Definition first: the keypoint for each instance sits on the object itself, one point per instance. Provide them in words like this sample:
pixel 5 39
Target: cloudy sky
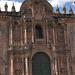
pixel 54 3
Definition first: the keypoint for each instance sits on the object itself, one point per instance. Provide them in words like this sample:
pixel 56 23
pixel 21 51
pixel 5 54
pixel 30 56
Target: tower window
pixel 39 32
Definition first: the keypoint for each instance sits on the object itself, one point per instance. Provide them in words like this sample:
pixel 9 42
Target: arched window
pixel 38 32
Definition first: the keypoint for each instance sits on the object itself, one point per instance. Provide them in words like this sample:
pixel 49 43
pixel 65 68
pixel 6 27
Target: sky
pixel 54 3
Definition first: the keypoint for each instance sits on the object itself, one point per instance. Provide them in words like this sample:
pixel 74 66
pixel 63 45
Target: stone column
pixel 25 34
pixel 54 50
pixel 10 36
pixel 32 11
pixel 21 38
pixel 11 65
pixel 32 25
pixel 69 66
pixel 32 32
pixel 54 38
pixel 25 31
pixel 26 65
pixel 23 69
pixel 47 32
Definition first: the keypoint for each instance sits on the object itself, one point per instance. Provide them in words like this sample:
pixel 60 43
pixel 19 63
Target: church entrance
pixel 41 64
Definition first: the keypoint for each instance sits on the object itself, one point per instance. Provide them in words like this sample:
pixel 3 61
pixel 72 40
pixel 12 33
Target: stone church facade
pixel 37 41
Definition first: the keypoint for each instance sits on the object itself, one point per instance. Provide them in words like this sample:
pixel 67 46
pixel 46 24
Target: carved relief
pixel 60 34
pixel 29 28
pixel 16 35
pixel 16 32
pixel 60 38
pixel 73 59
pixel 18 65
pixel 62 63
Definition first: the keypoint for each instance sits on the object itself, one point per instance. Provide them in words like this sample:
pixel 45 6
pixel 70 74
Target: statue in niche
pixel 38 12
pixel 38 9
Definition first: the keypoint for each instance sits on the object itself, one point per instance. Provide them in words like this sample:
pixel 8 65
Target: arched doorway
pixel 41 64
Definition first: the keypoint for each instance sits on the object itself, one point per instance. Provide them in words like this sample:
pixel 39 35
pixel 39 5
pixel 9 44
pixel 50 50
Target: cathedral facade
pixel 37 41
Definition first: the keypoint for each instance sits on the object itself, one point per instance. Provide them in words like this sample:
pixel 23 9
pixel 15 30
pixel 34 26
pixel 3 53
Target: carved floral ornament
pixel 51 24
